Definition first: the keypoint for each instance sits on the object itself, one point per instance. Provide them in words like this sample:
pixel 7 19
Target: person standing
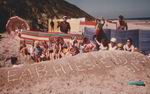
pixel 99 29
pixel 65 26
pixel 122 25
pixel 52 25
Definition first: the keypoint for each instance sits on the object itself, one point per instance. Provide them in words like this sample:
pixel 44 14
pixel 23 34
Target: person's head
pixel 120 46
pixel 61 40
pixel 121 18
pixel 65 18
pixel 36 43
pixel 22 42
pixel 76 44
pixel 65 50
pixel 85 40
pixel 113 41
pixel 98 20
pixel 52 18
pixel 104 42
pixel 129 42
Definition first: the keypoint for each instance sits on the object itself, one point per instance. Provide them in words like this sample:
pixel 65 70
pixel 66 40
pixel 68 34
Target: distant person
pixel 122 25
pixel 37 51
pixel 31 50
pixel 23 48
pixel 99 29
pixel 52 25
pixel 64 26
pixel 129 45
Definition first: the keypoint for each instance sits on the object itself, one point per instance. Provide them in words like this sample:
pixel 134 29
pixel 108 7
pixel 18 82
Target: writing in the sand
pixel 67 67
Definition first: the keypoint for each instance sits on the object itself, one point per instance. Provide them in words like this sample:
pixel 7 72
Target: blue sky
pixel 113 8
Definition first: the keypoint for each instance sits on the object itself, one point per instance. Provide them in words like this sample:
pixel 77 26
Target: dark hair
pixel 94 37
pixel 121 17
pixel 130 40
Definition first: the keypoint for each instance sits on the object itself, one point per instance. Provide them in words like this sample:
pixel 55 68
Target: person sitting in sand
pixel 45 50
pixel 57 49
pixel 122 25
pixel 129 45
pixel 74 51
pixel 112 45
pixel 37 51
pixel 120 46
pixel 51 48
pixel 66 50
pixel 31 51
pixel 23 48
pixel 87 45
pixel 103 45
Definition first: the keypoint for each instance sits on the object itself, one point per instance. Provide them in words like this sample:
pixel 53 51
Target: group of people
pixel 55 48
pixel 58 47
pixel 64 25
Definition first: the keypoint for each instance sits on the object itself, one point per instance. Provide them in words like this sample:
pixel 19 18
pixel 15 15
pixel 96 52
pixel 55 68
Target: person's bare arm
pixel 69 28
pixel 103 21
pixel 97 42
pixel 126 26
pixel 60 48
pixel 109 21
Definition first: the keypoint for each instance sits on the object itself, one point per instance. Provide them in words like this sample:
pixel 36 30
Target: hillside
pixel 33 9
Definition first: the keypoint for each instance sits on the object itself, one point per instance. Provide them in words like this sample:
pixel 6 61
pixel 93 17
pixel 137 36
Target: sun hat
pixel 113 40
pixel 64 17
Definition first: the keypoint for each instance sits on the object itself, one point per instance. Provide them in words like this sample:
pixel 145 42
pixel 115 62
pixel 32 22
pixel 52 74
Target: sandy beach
pixel 104 72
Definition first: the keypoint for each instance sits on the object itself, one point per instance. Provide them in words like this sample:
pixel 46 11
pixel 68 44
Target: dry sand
pixel 102 72
pixel 132 24
pixel 9 47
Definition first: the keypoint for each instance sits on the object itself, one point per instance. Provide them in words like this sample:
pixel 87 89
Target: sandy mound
pixel 101 72
pixel 9 47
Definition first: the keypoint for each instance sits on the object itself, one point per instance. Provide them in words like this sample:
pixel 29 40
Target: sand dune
pixel 101 72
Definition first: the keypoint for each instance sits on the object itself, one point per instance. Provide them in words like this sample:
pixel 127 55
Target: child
pixel 112 45
pixel 37 52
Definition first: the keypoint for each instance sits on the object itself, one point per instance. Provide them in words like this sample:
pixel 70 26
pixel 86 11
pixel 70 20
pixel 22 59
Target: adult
pixel 65 26
pixel 122 25
pixel 129 45
pixel 99 29
pixel 52 25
